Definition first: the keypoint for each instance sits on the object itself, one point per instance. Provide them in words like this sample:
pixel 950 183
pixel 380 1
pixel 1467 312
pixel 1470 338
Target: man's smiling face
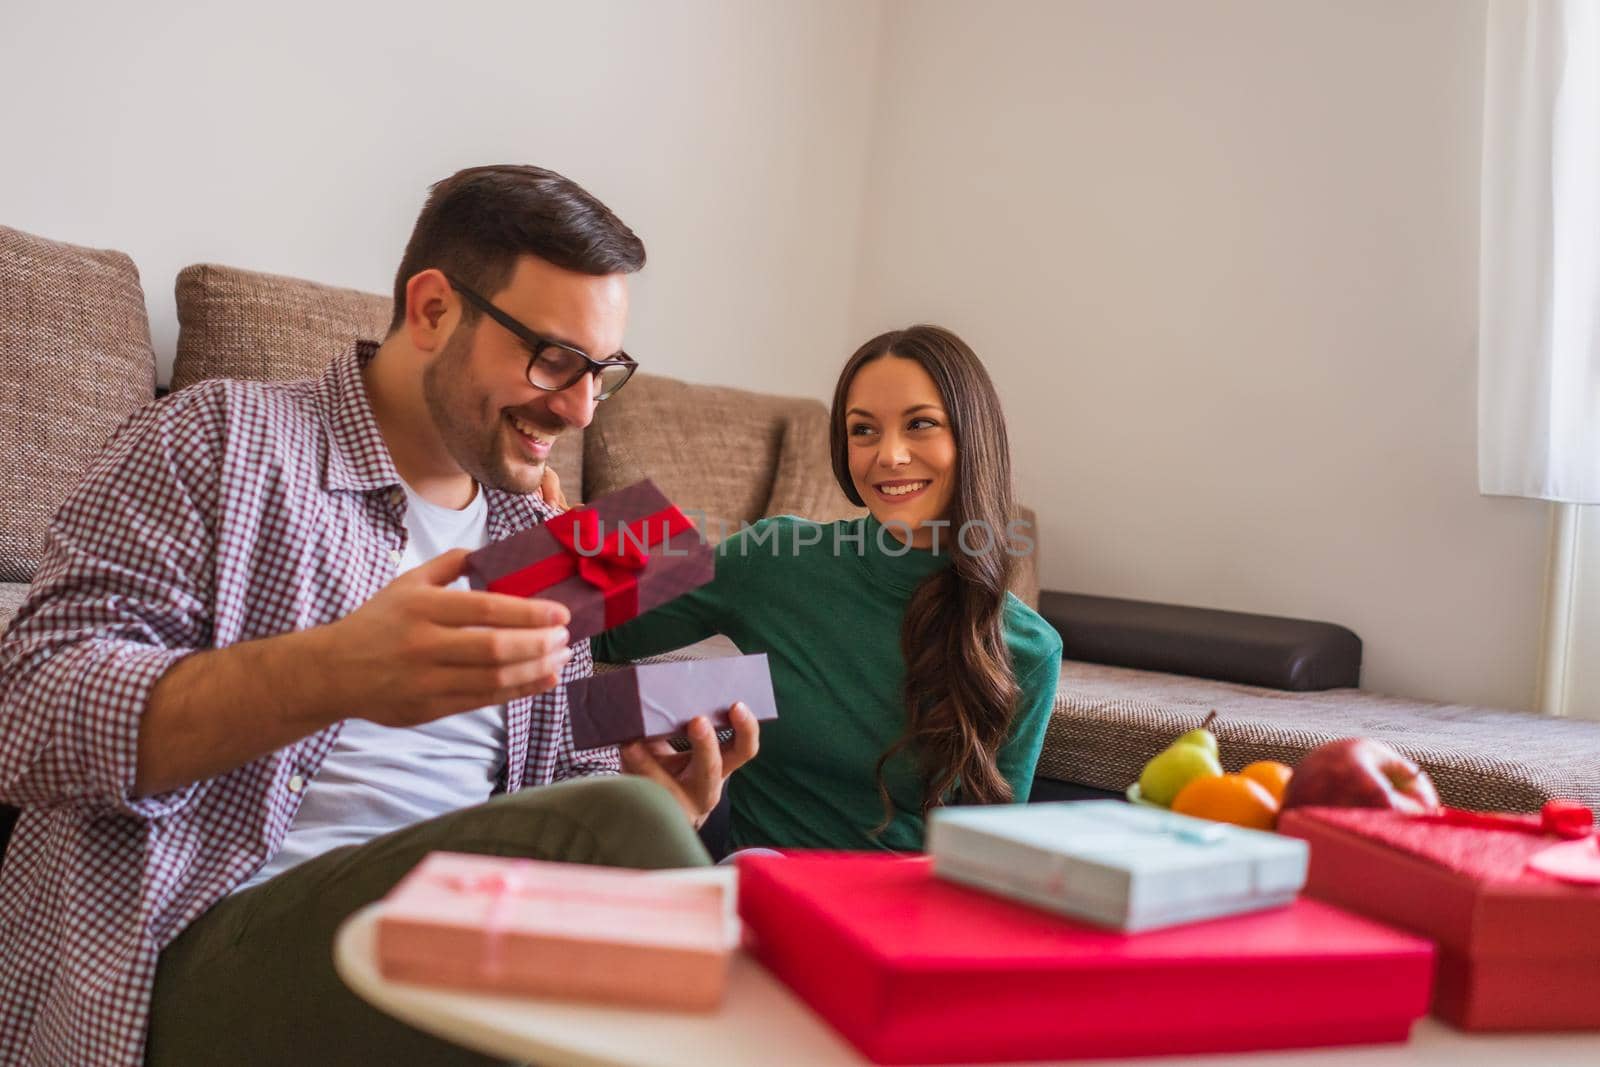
pixel 497 427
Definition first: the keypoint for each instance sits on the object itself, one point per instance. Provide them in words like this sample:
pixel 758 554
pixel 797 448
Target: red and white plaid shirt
pixel 226 512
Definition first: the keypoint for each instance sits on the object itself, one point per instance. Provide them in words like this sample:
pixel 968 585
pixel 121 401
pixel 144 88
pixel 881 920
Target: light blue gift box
pixel 1116 864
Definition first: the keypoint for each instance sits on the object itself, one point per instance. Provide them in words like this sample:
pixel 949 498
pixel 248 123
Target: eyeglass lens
pixel 556 368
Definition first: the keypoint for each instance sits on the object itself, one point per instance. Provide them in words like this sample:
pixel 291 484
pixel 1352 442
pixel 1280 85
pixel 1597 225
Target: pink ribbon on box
pixel 501 887
pixel 611 564
pixel 505 886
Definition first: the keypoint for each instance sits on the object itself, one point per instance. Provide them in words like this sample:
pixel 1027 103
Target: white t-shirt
pixel 381 778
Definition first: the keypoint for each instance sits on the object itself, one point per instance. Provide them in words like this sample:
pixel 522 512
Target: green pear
pixel 1193 755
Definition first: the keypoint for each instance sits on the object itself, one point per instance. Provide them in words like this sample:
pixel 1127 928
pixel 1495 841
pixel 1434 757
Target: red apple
pixel 1358 772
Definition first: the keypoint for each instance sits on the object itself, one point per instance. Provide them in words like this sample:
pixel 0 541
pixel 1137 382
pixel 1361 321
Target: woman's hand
pixel 550 489
pixel 695 778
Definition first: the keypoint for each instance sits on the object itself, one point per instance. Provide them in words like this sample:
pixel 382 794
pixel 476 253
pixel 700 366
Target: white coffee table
pixel 762 1024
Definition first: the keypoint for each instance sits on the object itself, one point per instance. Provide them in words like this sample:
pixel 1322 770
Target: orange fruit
pixel 1230 798
pixel 1272 774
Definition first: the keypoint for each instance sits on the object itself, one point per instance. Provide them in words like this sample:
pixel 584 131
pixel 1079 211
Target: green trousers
pixel 252 980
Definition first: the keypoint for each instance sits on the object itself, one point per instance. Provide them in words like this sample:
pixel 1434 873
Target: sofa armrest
pixel 1226 646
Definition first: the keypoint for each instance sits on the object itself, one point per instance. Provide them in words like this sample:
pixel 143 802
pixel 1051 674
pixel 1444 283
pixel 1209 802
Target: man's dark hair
pixel 478 221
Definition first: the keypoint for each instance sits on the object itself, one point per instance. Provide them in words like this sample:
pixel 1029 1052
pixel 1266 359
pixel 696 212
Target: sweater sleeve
pixel 1019 756
pixel 714 608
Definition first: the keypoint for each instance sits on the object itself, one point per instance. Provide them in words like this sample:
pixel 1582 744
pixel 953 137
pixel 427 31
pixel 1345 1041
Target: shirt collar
pixel 358 457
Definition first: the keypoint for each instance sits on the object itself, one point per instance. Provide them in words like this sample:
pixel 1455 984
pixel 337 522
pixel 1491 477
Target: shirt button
pixel 394 555
pixel 296 783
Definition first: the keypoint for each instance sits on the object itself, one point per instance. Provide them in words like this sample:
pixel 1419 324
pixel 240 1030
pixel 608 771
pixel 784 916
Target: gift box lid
pixel 1117 864
pixel 1469 888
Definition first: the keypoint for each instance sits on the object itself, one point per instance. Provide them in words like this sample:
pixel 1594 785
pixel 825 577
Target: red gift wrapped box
pixel 609 561
pixel 912 969
pixel 1518 950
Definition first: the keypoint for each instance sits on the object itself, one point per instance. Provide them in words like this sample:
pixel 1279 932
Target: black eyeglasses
pixel 553 366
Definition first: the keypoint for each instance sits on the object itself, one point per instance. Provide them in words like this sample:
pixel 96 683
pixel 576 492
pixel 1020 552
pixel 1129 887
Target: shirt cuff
pixel 111 699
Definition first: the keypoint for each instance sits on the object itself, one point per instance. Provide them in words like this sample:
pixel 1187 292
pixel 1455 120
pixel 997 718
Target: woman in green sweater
pixel 906 676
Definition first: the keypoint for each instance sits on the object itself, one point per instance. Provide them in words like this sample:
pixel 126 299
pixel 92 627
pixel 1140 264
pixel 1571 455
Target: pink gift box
pixel 564 930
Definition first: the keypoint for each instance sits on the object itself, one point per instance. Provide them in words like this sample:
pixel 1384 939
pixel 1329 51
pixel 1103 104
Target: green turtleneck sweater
pixel 829 621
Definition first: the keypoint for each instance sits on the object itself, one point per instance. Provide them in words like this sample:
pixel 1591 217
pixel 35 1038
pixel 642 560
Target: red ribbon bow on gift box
pixel 1576 860
pixel 609 563
pixel 1561 818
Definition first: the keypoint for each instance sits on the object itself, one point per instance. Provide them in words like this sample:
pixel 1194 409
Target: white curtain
pixel 1539 271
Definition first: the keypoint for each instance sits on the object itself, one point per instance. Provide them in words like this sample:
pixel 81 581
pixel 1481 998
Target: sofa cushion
pixel 75 361
pixel 12 594
pixel 235 323
pixel 1108 721
pixel 1025 579
pixel 733 455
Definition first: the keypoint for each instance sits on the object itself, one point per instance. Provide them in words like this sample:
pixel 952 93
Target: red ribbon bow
pixel 611 564
pixel 1562 818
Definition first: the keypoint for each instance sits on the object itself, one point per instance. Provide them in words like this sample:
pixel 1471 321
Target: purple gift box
pixel 618 557
pixel 658 699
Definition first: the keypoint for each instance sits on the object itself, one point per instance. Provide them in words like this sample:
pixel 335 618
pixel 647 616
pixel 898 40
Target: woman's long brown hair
pixel 961 691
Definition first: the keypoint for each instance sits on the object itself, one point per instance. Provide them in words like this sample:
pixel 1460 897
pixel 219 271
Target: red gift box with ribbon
pixel 911 968
pixel 561 930
pixel 1504 896
pixel 607 561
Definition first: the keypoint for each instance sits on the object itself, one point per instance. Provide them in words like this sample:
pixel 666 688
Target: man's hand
pixel 695 777
pixel 418 651
pixel 550 489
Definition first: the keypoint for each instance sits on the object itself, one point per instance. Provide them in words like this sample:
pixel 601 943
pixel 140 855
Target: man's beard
pixel 472 433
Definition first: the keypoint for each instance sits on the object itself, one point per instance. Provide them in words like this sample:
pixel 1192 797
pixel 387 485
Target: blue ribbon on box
pixel 1194 831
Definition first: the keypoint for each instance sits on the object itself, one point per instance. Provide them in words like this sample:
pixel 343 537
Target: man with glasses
pixel 248 690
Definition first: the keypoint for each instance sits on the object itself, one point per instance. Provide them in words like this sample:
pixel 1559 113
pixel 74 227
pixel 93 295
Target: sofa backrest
pixel 731 455
pixel 236 323
pixel 75 361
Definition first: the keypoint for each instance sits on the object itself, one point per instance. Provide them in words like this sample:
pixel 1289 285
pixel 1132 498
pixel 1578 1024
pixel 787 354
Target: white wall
pixel 1221 257
pixel 1220 254
pixel 1575 632
pixel 300 137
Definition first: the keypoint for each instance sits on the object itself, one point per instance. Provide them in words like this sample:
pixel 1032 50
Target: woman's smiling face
pixel 902 450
